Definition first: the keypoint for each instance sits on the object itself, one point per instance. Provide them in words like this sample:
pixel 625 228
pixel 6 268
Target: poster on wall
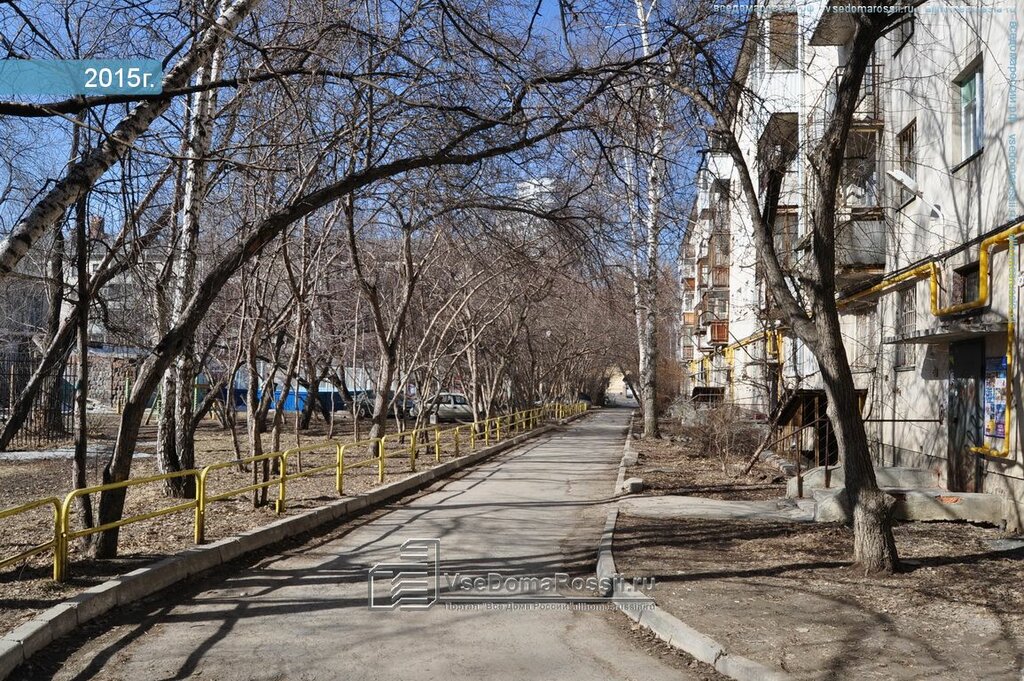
pixel 995 397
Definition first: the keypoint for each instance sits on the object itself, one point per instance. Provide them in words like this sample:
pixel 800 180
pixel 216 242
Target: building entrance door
pixel 966 419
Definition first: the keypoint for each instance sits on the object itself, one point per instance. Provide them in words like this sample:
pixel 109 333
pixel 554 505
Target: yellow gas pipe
pixel 1007 236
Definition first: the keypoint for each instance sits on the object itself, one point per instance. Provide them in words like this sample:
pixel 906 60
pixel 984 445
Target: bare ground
pixel 27 588
pixel 784 593
pixel 676 464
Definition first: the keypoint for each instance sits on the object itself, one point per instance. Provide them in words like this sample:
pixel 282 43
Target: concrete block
pixel 377 496
pixel 11 655
pixel 747 670
pixel 63 618
pixel 887 476
pixel 305 522
pixel 199 559
pixel 97 600
pixel 1013 512
pixel 354 504
pixel 633 485
pixel 139 583
pixel 679 635
pixel 33 635
pixel 920 505
pixel 831 506
pixel 632 603
pixel 229 548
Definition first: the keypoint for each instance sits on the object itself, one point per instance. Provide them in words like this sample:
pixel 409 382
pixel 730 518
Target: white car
pixel 448 407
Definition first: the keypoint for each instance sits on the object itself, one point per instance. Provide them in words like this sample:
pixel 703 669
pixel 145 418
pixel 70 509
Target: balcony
pixel 860 246
pixel 720 333
pixel 867 112
pixel 712 307
pixel 720 277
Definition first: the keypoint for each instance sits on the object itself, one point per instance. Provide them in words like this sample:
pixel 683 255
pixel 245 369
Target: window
pixel 720 332
pixel 720 248
pixel 782 41
pixel 906 145
pixel 903 32
pixel 864 349
pixel 785 237
pixel 971 113
pixel 906 324
pixel 966 283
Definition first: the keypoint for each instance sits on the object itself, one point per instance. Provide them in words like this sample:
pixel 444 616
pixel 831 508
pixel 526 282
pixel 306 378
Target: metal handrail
pixel 496 426
pixel 35 550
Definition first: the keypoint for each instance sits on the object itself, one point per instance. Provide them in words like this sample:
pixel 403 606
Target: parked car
pixel 364 402
pixel 448 407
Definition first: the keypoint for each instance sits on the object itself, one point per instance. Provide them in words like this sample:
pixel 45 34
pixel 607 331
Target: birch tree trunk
pixel 183 373
pixel 81 176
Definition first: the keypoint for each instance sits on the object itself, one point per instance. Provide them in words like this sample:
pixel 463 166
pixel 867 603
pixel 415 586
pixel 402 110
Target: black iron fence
pixel 50 417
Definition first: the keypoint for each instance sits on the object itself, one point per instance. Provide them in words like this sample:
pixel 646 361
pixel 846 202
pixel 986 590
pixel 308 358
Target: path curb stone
pixel 24 641
pixel 661 623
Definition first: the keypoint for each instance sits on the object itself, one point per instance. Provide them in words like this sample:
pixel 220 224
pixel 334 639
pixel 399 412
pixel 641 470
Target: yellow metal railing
pixel 409 443
pixel 54 538
pixel 66 534
pixel 203 499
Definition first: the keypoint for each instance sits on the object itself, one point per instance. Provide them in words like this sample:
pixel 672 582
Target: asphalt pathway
pixel 536 511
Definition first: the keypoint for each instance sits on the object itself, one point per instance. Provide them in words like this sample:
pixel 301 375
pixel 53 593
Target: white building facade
pixel 928 238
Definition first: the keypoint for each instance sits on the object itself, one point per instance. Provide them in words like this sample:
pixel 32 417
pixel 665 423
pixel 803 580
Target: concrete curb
pixel 662 624
pixel 29 638
pixel 628 456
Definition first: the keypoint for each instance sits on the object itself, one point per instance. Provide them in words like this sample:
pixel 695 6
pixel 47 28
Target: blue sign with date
pixel 63 77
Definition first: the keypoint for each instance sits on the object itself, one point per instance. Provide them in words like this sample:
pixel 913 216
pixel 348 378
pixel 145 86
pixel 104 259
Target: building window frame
pixel 906 160
pixel 969 111
pixel 966 283
pixel 785 58
pixel 905 324
pixel 903 32
pixel 785 235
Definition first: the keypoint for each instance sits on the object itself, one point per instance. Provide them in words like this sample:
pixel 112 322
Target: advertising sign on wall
pixel 995 397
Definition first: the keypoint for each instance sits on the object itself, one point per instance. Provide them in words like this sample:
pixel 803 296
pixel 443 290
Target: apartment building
pixel 927 240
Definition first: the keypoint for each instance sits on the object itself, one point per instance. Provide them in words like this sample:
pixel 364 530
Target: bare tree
pixel 807 302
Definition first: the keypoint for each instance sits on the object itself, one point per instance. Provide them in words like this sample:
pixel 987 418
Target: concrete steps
pixel 917 504
pixel 894 477
pixel 918 497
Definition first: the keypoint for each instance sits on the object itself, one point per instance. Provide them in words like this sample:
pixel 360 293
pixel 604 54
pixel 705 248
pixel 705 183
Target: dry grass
pixel 680 463
pixel 26 588
pixel 784 593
